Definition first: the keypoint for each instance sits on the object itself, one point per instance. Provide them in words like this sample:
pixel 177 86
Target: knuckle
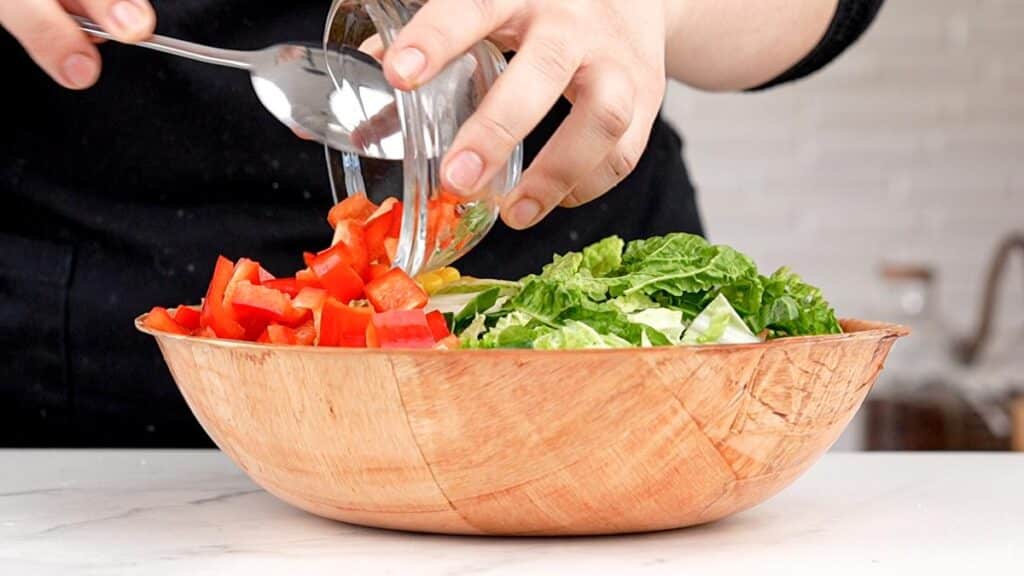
pixel 623 160
pixel 496 131
pixel 612 116
pixel 554 59
pixel 576 197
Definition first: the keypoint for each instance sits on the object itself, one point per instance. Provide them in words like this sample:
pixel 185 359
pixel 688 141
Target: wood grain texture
pixel 528 442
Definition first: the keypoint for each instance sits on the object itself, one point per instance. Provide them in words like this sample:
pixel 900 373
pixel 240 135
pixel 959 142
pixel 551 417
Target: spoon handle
pixel 230 58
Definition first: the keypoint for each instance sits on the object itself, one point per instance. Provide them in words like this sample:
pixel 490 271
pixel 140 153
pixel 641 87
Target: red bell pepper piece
pixel 395 290
pixel 310 298
pixel 438 325
pixel 399 329
pixel 159 319
pixel 246 270
pixel 262 304
pixel 396 221
pixel 289 286
pixel 217 314
pixel 358 208
pixel 343 325
pixel 390 249
pixel 187 317
pixel 378 270
pixel 278 334
pixel 338 278
pixel 265 276
pixel 384 209
pixel 305 335
pixel 306 278
pixel 350 247
pixel 379 226
pixel 441 223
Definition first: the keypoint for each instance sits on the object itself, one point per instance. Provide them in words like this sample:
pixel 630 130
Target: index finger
pixel 440 32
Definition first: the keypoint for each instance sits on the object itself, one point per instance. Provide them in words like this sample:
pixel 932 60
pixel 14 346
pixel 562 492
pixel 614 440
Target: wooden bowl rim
pixel 862 330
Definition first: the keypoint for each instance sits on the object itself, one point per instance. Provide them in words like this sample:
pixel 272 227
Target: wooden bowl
pixel 523 441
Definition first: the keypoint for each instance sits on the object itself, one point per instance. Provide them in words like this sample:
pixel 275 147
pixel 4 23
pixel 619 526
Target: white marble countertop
pixel 181 512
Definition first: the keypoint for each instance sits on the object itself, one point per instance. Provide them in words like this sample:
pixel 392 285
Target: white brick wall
pixel 909 147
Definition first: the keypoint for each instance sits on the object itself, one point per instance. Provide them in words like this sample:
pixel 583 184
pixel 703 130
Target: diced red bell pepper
pixel 396 221
pixel 289 286
pixel 307 258
pixel 358 208
pixel 216 314
pixel 187 317
pixel 438 325
pixel 338 278
pixel 384 209
pixel 306 278
pixel 265 276
pixel 351 248
pixel 378 270
pixel 305 335
pixel 246 270
pixel 449 197
pixel 380 226
pixel 395 290
pixel 259 303
pixel 310 298
pixel 264 337
pixel 441 222
pixel 399 329
pixel 159 319
pixel 278 334
pixel 343 325
pixel 391 249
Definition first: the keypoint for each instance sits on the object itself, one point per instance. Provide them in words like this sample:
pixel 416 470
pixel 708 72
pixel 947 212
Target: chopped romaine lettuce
pixel 719 324
pixel 668 290
pixel 578 335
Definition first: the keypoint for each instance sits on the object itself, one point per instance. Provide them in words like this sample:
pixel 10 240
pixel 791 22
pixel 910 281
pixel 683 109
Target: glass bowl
pixel 417 126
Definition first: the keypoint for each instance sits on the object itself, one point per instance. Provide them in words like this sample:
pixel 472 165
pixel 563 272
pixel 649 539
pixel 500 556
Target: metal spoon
pixel 293 82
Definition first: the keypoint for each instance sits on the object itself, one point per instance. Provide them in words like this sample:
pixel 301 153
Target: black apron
pixel 120 198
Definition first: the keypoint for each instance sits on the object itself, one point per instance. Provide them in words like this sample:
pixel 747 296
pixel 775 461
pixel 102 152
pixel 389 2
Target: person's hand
pixel 606 56
pixel 54 41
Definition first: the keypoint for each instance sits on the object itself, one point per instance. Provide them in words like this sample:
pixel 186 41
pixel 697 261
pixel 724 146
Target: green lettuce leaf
pixel 604 257
pixel 791 307
pixel 678 264
pixel 719 324
pixel 665 321
pixel 515 330
pixel 576 335
pixel 480 304
pixel 470 336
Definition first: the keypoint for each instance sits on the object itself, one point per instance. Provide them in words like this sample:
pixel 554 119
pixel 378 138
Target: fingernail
pixel 80 71
pixel 128 16
pixel 464 170
pixel 524 212
pixel 409 63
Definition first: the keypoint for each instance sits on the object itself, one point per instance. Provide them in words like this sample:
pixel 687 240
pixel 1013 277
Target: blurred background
pixel 891 179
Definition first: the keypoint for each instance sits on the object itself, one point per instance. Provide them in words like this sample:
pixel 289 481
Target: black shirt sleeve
pixel 851 19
